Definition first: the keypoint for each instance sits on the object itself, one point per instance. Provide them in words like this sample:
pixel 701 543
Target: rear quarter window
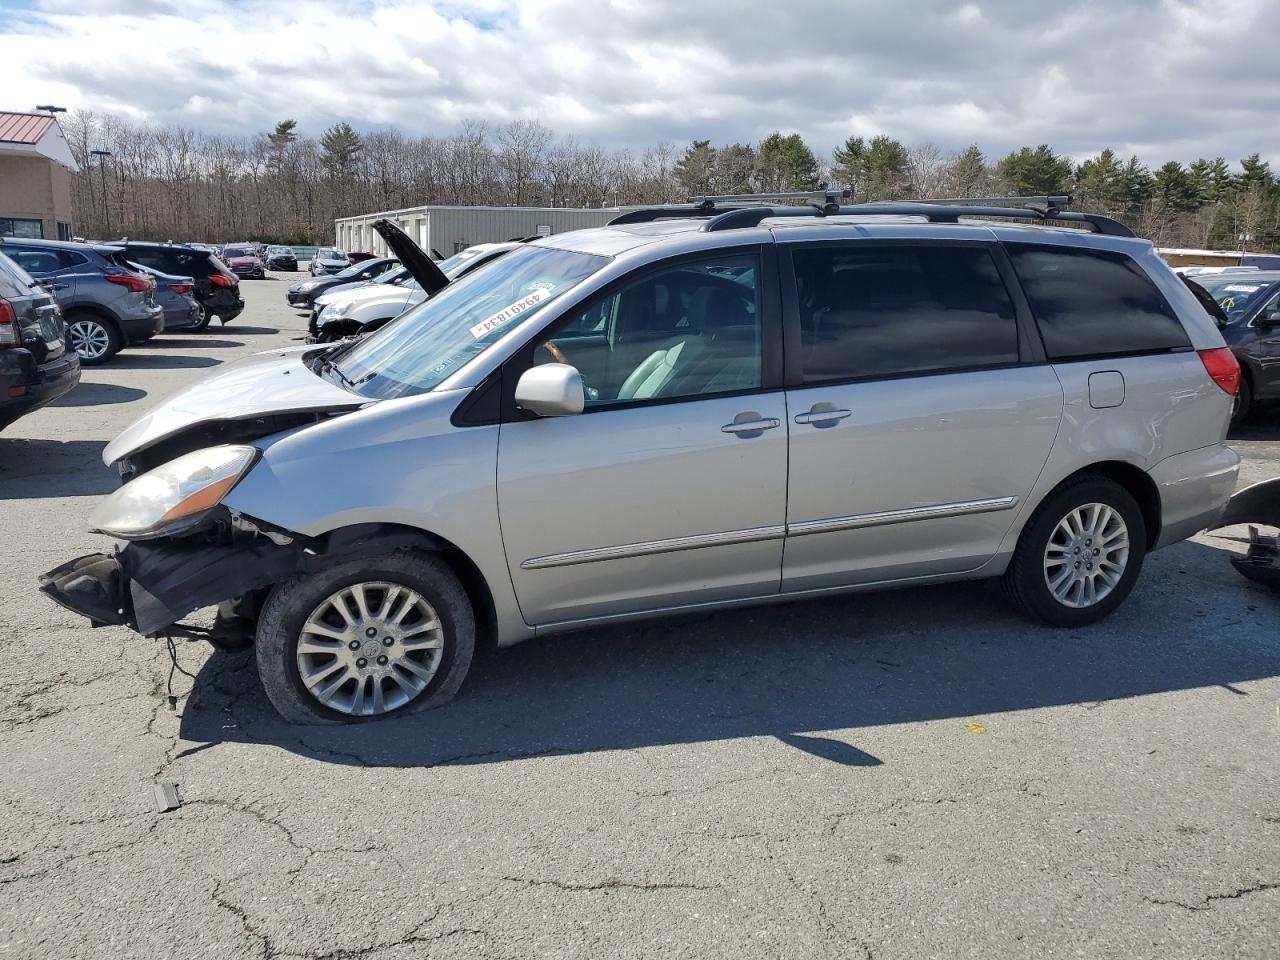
pixel 1094 303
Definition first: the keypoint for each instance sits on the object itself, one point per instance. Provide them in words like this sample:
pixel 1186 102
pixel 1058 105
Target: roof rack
pixel 747 210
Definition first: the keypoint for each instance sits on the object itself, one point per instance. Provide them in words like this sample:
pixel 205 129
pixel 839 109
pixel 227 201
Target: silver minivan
pixel 691 408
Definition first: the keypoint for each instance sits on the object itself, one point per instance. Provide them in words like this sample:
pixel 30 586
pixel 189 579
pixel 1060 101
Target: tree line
pixel 175 183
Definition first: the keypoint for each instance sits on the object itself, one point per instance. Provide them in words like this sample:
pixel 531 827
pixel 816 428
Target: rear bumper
pixel 143 325
pixel 225 304
pixel 26 386
pixel 1194 488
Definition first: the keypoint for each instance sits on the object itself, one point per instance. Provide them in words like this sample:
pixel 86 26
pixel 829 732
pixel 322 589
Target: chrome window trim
pixel 771 532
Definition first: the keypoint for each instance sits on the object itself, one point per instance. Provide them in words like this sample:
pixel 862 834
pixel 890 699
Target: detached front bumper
pixel 150 585
pixel 1257 504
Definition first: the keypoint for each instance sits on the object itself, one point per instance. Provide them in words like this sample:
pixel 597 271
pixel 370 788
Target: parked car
pixel 304 292
pixel 603 425
pixel 346 312
pixel 328 260
pixel 244 261
pixel 176 296
pixel 359 256
pixel 281 258
pixel 37 364
pixel 1251 303
pixel 217 291
pixel 107 304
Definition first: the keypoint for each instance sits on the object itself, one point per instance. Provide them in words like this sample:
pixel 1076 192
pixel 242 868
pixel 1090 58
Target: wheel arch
pixel 1139 485
pixel 372 539
pixel 94 310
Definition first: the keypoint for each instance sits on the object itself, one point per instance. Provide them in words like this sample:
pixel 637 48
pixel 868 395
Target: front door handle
pixel 823 414
pixel 755 424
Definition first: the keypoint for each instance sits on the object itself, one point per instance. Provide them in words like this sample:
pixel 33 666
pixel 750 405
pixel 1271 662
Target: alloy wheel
pixel 1087 554
pixel 90 339
pixel 370 648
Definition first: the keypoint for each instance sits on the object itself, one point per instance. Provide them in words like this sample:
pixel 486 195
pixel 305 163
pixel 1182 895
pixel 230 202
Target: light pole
pixel 102 169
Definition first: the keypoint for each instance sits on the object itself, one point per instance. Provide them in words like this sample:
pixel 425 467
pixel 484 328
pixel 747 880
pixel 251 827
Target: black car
pixel 281 258
pixel 303 293
pixel 36 364
pixel 1251 303
pixel 217 290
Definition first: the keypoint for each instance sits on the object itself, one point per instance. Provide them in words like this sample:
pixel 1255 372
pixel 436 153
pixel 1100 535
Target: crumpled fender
pixel 1257 505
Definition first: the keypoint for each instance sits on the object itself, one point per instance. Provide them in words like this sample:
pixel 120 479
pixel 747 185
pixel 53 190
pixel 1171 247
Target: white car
pixel 350 310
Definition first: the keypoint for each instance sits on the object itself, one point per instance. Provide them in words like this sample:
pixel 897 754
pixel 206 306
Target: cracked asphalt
pixel 909 774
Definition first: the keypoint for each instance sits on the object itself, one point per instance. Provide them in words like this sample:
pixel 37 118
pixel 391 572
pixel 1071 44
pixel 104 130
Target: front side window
pixel 900 310
pixel 35 260
pixel 1094 303
pixel 683 331
pixel 427 343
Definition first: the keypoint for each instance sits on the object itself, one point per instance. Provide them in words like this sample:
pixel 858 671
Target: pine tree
pixel 695 171
pixel 970 172
pixel 1038 172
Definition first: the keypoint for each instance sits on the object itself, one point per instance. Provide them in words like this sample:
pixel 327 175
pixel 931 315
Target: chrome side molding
pixel 772 532
pixel 649 547
pixel 909 515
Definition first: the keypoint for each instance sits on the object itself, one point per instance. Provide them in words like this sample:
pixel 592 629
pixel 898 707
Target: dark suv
pixel 35 364
pixel 217 290
pixel 106 302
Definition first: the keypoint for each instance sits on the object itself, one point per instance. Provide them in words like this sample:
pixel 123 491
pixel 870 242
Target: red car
pixel 243 260
pixel 357 256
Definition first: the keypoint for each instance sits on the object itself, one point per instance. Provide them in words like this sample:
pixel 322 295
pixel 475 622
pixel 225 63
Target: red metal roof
pixel 23 127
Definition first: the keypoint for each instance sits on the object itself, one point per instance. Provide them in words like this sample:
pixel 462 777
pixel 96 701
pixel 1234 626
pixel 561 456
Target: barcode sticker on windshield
pixel 509 312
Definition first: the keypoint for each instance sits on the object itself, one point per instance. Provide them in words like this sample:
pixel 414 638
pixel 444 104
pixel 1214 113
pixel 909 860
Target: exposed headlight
pixel 174 496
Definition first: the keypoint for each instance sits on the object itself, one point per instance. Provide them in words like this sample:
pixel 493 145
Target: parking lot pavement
pixel 909 774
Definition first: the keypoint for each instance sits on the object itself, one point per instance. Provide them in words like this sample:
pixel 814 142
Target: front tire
pixel 365 639
pixel 1079 555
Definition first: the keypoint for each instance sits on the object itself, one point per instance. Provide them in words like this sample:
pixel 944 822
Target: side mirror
pixel 1269 321
pixel 551 390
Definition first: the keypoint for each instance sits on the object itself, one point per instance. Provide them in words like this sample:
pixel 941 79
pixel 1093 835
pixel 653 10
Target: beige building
pixel 35 177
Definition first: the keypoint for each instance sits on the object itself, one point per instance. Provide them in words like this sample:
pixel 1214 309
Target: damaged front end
pixel 1257 505
pixel 149 585
pixel 231 561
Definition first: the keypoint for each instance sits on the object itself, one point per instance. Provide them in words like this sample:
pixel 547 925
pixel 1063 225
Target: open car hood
pixel 261 385
pixel 420 266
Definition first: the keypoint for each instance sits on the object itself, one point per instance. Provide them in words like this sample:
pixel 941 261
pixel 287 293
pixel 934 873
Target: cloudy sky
pixel 1160 78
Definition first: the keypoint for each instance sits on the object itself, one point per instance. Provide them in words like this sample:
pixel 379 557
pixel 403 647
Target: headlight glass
pixel 337 308
pixel 174 496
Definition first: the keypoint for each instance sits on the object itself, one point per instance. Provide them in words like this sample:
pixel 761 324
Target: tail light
pixel 10 332
pixel 183 288
pixel 221 280
pixel 131 283
pixel 1223 369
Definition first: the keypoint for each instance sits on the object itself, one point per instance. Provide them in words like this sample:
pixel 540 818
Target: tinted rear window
pixel 882 311
pixel 1094 303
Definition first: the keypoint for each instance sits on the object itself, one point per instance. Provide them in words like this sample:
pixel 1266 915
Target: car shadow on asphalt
pixel 789 671
pixel 36 469
pixel 191 343
pixel 236 328
pixel 1263 425
pixel 132 360
pixel 98 395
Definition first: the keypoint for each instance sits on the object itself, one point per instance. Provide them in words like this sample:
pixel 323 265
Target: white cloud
pixel 1169 78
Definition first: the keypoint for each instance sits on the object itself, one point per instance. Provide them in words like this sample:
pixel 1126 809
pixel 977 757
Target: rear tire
pixel 203 321
pixel 1079 555
pixel 308 601
pixel 95 340
pixel 1243 404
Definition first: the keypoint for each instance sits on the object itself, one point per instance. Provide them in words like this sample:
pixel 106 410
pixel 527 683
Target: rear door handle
pixel 754 425
pixel 819 417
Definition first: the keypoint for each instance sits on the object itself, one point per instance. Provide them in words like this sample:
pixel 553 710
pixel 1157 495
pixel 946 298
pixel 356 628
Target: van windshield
pixel 427 343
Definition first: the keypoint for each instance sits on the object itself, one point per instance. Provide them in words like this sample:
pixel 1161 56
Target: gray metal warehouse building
pixel 447 229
